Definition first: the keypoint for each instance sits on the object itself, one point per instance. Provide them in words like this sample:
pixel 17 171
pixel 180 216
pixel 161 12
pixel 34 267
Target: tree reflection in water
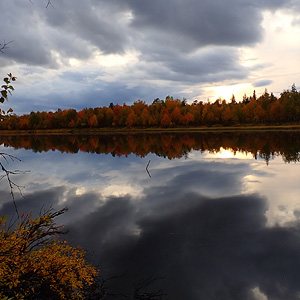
pixel 265 145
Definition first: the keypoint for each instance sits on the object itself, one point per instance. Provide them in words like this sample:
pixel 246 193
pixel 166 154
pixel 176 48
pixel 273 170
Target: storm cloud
pixel 76 29
pixel 175 47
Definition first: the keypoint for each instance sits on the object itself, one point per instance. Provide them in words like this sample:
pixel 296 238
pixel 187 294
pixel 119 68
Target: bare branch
pixel 8 173
pixel 147 168
pixel 46 228
pixel 142 290
pixel 4 46
pixel 49 4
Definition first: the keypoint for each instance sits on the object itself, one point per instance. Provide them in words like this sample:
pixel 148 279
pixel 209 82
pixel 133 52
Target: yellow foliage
pixel 34 262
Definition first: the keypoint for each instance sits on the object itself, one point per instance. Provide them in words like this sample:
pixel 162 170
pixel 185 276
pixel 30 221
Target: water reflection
pixel 265 145
pixel 212 227
pixel 204 248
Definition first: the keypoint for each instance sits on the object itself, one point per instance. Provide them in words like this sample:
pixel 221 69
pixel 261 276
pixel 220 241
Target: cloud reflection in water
pixel 191 223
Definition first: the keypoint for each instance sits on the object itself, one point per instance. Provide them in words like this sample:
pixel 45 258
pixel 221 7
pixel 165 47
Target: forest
pixel 253 110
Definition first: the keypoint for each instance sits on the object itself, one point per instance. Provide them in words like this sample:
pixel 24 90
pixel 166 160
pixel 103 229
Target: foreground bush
pixel 34 264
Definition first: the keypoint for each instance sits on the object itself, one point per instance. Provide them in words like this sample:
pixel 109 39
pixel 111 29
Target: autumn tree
pixel 93 122
pixel 187 119
pixel 131 119
pixel 166 119
pixel 34 264
pixel 276 115
pixel 208 116
pixel 145 117
pixel 227 115
pixel 176 115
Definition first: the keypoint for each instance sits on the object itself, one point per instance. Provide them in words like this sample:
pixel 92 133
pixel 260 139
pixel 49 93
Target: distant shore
pixel 109 130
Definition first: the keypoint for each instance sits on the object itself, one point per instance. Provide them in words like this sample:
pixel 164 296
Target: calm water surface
pixel 209 224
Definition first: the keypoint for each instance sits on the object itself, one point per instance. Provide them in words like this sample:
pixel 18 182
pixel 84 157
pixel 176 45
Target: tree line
pixel 266 109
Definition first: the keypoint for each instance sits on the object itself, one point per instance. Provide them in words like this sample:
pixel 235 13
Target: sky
pixel 78 54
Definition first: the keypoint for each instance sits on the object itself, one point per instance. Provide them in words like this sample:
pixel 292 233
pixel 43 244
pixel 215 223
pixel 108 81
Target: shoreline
pixel 108 130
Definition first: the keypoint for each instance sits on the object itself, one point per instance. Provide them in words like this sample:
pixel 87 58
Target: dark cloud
pixel 23 26
pixel 98 94
pixel 262 83
pixel 76 29
pixel 271 4
pixel 200 23
pixel 99 25
pixel 204 66
pixel 38 35
pixel 187 42
pixel 206 62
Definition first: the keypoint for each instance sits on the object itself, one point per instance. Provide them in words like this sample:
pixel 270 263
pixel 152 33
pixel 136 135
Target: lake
pixel 184 216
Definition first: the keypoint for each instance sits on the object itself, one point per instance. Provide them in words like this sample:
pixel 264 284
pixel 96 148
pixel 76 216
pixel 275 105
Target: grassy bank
pixel 108 130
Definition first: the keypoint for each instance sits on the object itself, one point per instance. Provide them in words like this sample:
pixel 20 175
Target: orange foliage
pixel 93 122
pixel 266 109
pixel 34 263
pixel 131 119
pixel 166 120
pixel 145 117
